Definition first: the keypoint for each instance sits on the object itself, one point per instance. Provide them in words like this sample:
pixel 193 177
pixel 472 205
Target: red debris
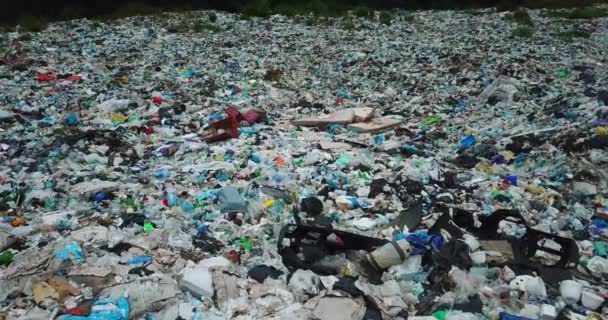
pixel 46 77
pixel 157 100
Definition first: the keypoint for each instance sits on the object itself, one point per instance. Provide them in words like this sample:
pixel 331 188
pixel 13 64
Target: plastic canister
pixel 390 254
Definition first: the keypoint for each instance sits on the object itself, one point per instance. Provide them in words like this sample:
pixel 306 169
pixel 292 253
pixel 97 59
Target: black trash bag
pixel 207 243
pixel 348 285
pixel 445 223
pixel 312 206
pixel 474 305
pixel 261 272
pixel 141 271
pixel 526 248
pixel 411 217
pixel 377 187
pixel 453 253
pixel 523 249
pixel 302 246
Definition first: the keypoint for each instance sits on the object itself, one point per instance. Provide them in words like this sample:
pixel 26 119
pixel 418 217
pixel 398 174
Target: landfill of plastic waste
pixel 290 168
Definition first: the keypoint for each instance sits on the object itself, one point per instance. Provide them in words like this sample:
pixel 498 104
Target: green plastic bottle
pixel 6 258
pixel 148 227
pixel 245 243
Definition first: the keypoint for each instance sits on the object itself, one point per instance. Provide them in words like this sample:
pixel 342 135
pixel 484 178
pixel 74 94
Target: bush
pixel 133 9
pixel 571 35
pixel 200 26
pixel 319 8
pixel 32 24
pixel 289 10
pixel 310 21
pixel 523 31
pixel 409 18
pixel 70 13
pixel 273 75
pixel 474 12
pixel 505 5
pixel 522 17
pixel 580 13
pixel 386 18
pixel 258 8
pixel 181 27
pixel 557 4
pixel 361 11
pixel 348 25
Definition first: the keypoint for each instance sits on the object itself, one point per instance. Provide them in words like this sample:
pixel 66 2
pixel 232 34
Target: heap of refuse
pixel 293 168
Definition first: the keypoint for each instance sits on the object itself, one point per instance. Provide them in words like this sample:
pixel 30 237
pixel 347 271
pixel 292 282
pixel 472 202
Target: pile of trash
pixel 287 168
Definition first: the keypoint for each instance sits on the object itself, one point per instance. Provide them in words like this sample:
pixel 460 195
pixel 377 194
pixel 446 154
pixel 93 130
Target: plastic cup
pixel 570 291
pixel 591 300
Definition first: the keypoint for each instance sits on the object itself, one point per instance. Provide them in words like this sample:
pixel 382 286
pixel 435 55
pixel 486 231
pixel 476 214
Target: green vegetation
pixel 558 4
pixel 579 13
pixel 349 24
pixel 200 26
pixel 386 18
pixel 522 17
pixel 310 21
pixel 474 12
pixel 185 26
pixel 70 13
pixel 132 9
pixel 32 24
pixel 571 35
pixel 182 27
pixel 25 37
pixel 303 8
pixel 409 18
pixel 523 31
pixel 273 75
pixel 361 11
pixel 289 10
pixel 570 9
pixel 258 8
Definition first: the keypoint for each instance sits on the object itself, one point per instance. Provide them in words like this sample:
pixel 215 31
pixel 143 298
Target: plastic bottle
pixel 6 258
pixel 148 227
pixel 245 243
pixel 171 199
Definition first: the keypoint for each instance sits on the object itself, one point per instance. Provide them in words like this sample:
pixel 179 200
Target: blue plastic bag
pixel 140 259
pixel 467 141
pixel 71 250
pixel 106 309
